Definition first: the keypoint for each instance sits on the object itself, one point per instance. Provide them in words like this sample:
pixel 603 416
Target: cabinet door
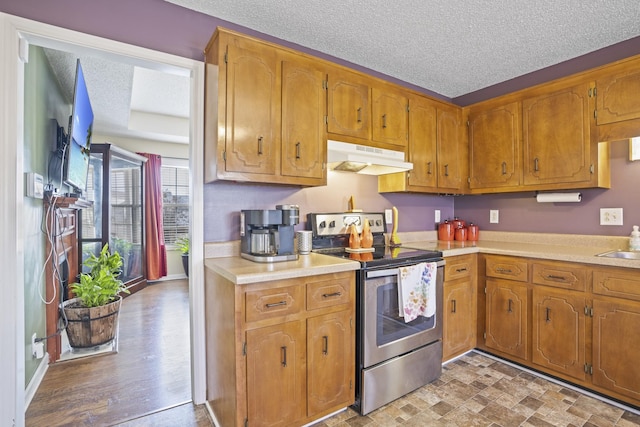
pixel 276 374
pixel 616 346
pixel 422 143
pixel 559 332
pixel 556 133
pixel 304 151
pixel 389 119
pixel 252 111
pixel 617 97
pixel 348 105
pixel 459 318
pixel 452 156
pixel 494 144
pixel 330 362
pixel 506 317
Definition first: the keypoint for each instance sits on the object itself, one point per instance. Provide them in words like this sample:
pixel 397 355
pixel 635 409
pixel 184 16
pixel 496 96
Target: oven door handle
pixel 372 274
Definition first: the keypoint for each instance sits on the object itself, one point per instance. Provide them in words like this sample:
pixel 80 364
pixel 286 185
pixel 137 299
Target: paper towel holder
pixel 558 197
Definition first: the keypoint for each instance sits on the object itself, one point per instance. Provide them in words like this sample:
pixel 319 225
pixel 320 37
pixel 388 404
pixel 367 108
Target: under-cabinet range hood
pixel 345 157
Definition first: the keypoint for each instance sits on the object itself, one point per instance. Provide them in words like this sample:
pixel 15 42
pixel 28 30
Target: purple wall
pixel 521 212
pixel 225 200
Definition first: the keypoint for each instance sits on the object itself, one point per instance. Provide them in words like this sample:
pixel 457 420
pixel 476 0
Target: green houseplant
pixel 183 244
pixel 92 315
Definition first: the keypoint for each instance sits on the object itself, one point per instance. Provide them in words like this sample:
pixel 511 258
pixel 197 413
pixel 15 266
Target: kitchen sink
pixel 621 254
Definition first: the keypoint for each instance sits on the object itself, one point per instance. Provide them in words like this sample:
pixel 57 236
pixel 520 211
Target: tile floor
pixel 476 390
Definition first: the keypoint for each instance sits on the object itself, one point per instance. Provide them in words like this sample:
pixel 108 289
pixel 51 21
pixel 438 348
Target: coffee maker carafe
pixel 268 235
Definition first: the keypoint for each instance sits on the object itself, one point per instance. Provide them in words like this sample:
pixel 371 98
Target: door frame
pixel 15 35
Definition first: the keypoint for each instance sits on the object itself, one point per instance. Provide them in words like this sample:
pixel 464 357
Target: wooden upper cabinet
pixel 495 158
pixel 304 149
pixel 389 116
pixel 452 150
pixel 252 110
pixel 422 143
pixel 558 133
pixel 349 104
pixel 617 96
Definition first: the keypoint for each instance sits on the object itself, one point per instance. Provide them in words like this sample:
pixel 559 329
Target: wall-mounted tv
pixel 76 165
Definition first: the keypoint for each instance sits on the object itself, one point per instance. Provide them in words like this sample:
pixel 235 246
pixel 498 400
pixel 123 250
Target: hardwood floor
pixel 150 372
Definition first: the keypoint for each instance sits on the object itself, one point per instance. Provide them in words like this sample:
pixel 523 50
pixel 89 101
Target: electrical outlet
pixel 494 216
pixel 37 348
pixel 437 215
pixel 388 216
pixel 611 216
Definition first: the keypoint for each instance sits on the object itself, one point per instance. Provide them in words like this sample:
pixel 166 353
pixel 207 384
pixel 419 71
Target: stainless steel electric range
pixel 393 357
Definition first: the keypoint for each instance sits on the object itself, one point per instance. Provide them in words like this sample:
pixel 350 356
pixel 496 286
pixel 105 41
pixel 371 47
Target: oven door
pixel 386 335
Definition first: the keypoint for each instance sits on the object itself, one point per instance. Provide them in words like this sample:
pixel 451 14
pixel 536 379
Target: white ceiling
pixel 451 47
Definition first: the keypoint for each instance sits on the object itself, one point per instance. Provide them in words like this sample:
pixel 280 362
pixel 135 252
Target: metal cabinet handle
pixel 509 308
pixel 429 168
pixel 260 145
pixel 504 168
pixel 334 294
pixel 325 345
pixel 453 306
pixel 275 304
pixel 548 318
pixel 446 170
pixel 283 355
pixel 556 278
pixel 359 116
pixel 298 150
pixel 384 121
pixel 536 166
pixel 461 270
pixel 503 270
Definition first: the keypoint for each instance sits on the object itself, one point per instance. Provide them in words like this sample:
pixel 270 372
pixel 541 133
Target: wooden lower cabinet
pixel 459 306
pixel 559 331
pixel 616 347
pixel 507 317
pixel 282 352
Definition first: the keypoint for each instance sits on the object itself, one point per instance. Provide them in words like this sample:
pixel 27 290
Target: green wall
pixel 43 101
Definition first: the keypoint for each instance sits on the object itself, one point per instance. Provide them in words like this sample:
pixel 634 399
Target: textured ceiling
pixel 449 47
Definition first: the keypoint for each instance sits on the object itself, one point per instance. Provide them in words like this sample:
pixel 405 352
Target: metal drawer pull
pixel 283 353
pixel 335 294
pixel 548 318
pixel 325 345
pixel 259 145
pixel 503 270
pixel 556 278
pixel 453 306
pixel 298 150
pixel 509 309
pixel 275 304
pixel 461 270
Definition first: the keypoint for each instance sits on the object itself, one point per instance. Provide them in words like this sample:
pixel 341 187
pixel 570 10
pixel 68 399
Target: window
pixel 175 199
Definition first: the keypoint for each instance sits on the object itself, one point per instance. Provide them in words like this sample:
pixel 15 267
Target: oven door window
pixel 390 326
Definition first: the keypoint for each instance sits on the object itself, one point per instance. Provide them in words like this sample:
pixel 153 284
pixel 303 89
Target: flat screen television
pixel 76 165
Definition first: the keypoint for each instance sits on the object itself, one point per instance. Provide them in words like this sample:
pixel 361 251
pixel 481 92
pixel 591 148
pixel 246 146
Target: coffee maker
pixel 267 235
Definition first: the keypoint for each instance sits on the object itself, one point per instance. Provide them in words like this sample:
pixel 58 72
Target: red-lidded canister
pixel 473 233
pixel 446 231
pixel 458 223
pixel 461 234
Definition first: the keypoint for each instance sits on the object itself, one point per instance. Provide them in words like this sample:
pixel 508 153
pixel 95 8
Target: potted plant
pixel 92 315
pixel 183 245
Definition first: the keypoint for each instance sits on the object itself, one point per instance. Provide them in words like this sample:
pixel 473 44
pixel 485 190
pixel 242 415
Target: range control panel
pixel 335 224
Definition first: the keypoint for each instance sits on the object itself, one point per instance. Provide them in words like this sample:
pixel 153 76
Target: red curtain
pixel 156 252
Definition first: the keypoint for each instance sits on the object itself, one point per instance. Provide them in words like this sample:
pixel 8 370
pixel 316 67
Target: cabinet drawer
pixel 327 293
pixel 269 303
pixel 560 275
pixel 459 267
pixel 623 283
pixel 507 268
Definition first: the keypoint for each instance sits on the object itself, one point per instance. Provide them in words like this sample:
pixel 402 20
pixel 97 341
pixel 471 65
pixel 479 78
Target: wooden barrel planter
pixel 91 327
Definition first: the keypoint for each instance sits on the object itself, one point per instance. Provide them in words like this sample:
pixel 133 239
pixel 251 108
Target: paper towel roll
pixel 558 197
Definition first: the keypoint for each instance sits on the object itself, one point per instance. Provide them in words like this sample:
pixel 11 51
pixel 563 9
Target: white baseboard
pixel 34 384
pixel 170 277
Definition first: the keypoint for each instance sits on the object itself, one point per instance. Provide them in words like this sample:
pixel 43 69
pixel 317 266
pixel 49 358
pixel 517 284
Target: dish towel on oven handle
pixel 417 290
